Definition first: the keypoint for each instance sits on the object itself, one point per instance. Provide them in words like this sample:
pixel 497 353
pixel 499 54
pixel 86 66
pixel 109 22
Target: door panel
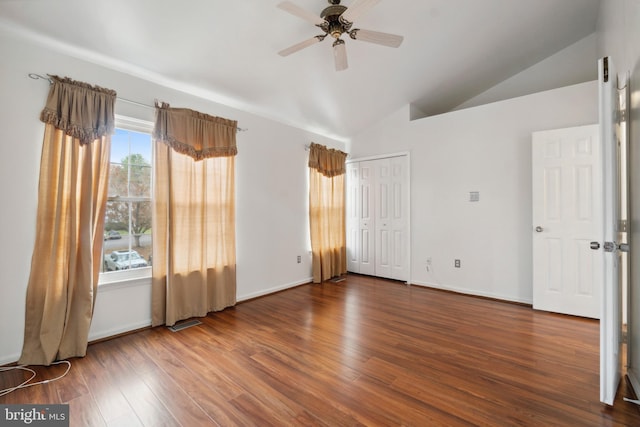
pixel 584 193
pixel 398 253
pixel 611 322
pixel 584 267
pixel 366 259
pixel 567 215
pixel 367 220
pixel 552 191
pixel 382 218
pixel 553 264
pixel 400 218
pixel 353 218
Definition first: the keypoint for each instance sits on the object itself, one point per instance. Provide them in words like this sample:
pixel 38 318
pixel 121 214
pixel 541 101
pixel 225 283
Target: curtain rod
pixel 308 147
pixel 35 76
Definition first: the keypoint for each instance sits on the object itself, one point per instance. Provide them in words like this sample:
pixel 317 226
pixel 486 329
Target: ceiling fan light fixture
pixel 336 20
pixel 340 55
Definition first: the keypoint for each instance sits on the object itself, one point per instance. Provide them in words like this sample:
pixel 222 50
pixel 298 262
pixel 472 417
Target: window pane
pixel 127 239
pixel 130 173
pixel 139 180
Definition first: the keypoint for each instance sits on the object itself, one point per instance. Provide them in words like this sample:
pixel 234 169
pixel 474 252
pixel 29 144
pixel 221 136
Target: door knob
pixel 539 229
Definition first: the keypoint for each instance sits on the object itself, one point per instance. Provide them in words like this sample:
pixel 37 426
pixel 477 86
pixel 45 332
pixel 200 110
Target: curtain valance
pixel 195 134
pixel 329 162
pixel 80 110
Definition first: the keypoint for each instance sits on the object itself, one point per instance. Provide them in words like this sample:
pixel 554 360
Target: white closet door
pixel 378 217
pixel 353 217
pixel 399 211
pixel 367 219
pixel 383 218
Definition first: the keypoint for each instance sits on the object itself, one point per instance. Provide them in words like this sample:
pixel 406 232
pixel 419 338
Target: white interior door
pixel 366 222
pixel 392 218
pixel 378 217
pixel 567 216
pixel 399 211
pixel 383 195
pixel 611 318
pixel 353 217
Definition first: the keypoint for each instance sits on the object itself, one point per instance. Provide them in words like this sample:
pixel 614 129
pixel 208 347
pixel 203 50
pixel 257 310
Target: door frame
pixel 406 154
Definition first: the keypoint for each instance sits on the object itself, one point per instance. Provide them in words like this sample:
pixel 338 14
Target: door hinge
pixel 622 226
pixel 605 69
pixel 609 246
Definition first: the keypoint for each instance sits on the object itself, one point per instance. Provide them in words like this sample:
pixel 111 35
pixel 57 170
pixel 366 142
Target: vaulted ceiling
pixel 227 51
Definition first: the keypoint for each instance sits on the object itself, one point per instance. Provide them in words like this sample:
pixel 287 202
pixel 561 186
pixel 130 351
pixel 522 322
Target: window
pixel 127 225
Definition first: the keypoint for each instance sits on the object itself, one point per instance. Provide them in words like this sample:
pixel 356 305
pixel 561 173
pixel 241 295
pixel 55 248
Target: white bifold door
pixel 378 217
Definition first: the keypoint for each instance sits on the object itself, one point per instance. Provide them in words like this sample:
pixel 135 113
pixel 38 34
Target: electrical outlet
pixel 456 263
pixel 299 259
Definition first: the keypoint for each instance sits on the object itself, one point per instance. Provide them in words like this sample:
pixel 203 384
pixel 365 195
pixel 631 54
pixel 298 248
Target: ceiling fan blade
pixel 300 12
pixel 385 39
pixel 358 8
pixel 340 55
pixel 299 46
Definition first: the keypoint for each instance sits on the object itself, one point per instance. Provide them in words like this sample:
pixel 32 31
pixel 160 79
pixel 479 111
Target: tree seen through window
pixel 128 214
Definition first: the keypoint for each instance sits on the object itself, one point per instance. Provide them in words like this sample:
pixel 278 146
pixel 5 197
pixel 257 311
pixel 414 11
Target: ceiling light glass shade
pixel 340 55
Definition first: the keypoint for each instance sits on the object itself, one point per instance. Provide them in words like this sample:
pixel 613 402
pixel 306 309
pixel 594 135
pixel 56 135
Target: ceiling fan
pixel 337 20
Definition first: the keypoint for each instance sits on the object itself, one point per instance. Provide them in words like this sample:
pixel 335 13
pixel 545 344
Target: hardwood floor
pixel 361 352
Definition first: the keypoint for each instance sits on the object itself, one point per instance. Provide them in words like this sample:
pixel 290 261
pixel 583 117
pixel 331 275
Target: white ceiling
pixel 227 51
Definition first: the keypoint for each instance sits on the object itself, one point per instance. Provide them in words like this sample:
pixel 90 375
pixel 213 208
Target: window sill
pixel 125 278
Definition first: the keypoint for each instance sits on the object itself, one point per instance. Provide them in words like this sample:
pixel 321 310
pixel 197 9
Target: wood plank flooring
pixel 363 351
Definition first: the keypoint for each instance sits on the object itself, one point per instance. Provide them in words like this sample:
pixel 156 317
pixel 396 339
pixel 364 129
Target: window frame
pixel 135 274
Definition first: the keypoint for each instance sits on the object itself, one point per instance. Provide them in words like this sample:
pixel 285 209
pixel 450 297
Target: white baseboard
pixel 634 379
pixel 98 335
pixel 473 292
pixel 11 358
pixel 241 298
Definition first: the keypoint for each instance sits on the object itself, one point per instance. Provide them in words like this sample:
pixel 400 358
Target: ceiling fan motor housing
pixel 334 25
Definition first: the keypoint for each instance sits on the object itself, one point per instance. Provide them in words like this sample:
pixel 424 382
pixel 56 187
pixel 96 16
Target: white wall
pixel 271 188
pixel 619 38
pixel 485 149
pixel 574 64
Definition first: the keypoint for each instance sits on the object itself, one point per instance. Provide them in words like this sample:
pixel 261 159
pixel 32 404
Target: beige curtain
pixel 194 247
pixel 327 212
pixel 72 196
